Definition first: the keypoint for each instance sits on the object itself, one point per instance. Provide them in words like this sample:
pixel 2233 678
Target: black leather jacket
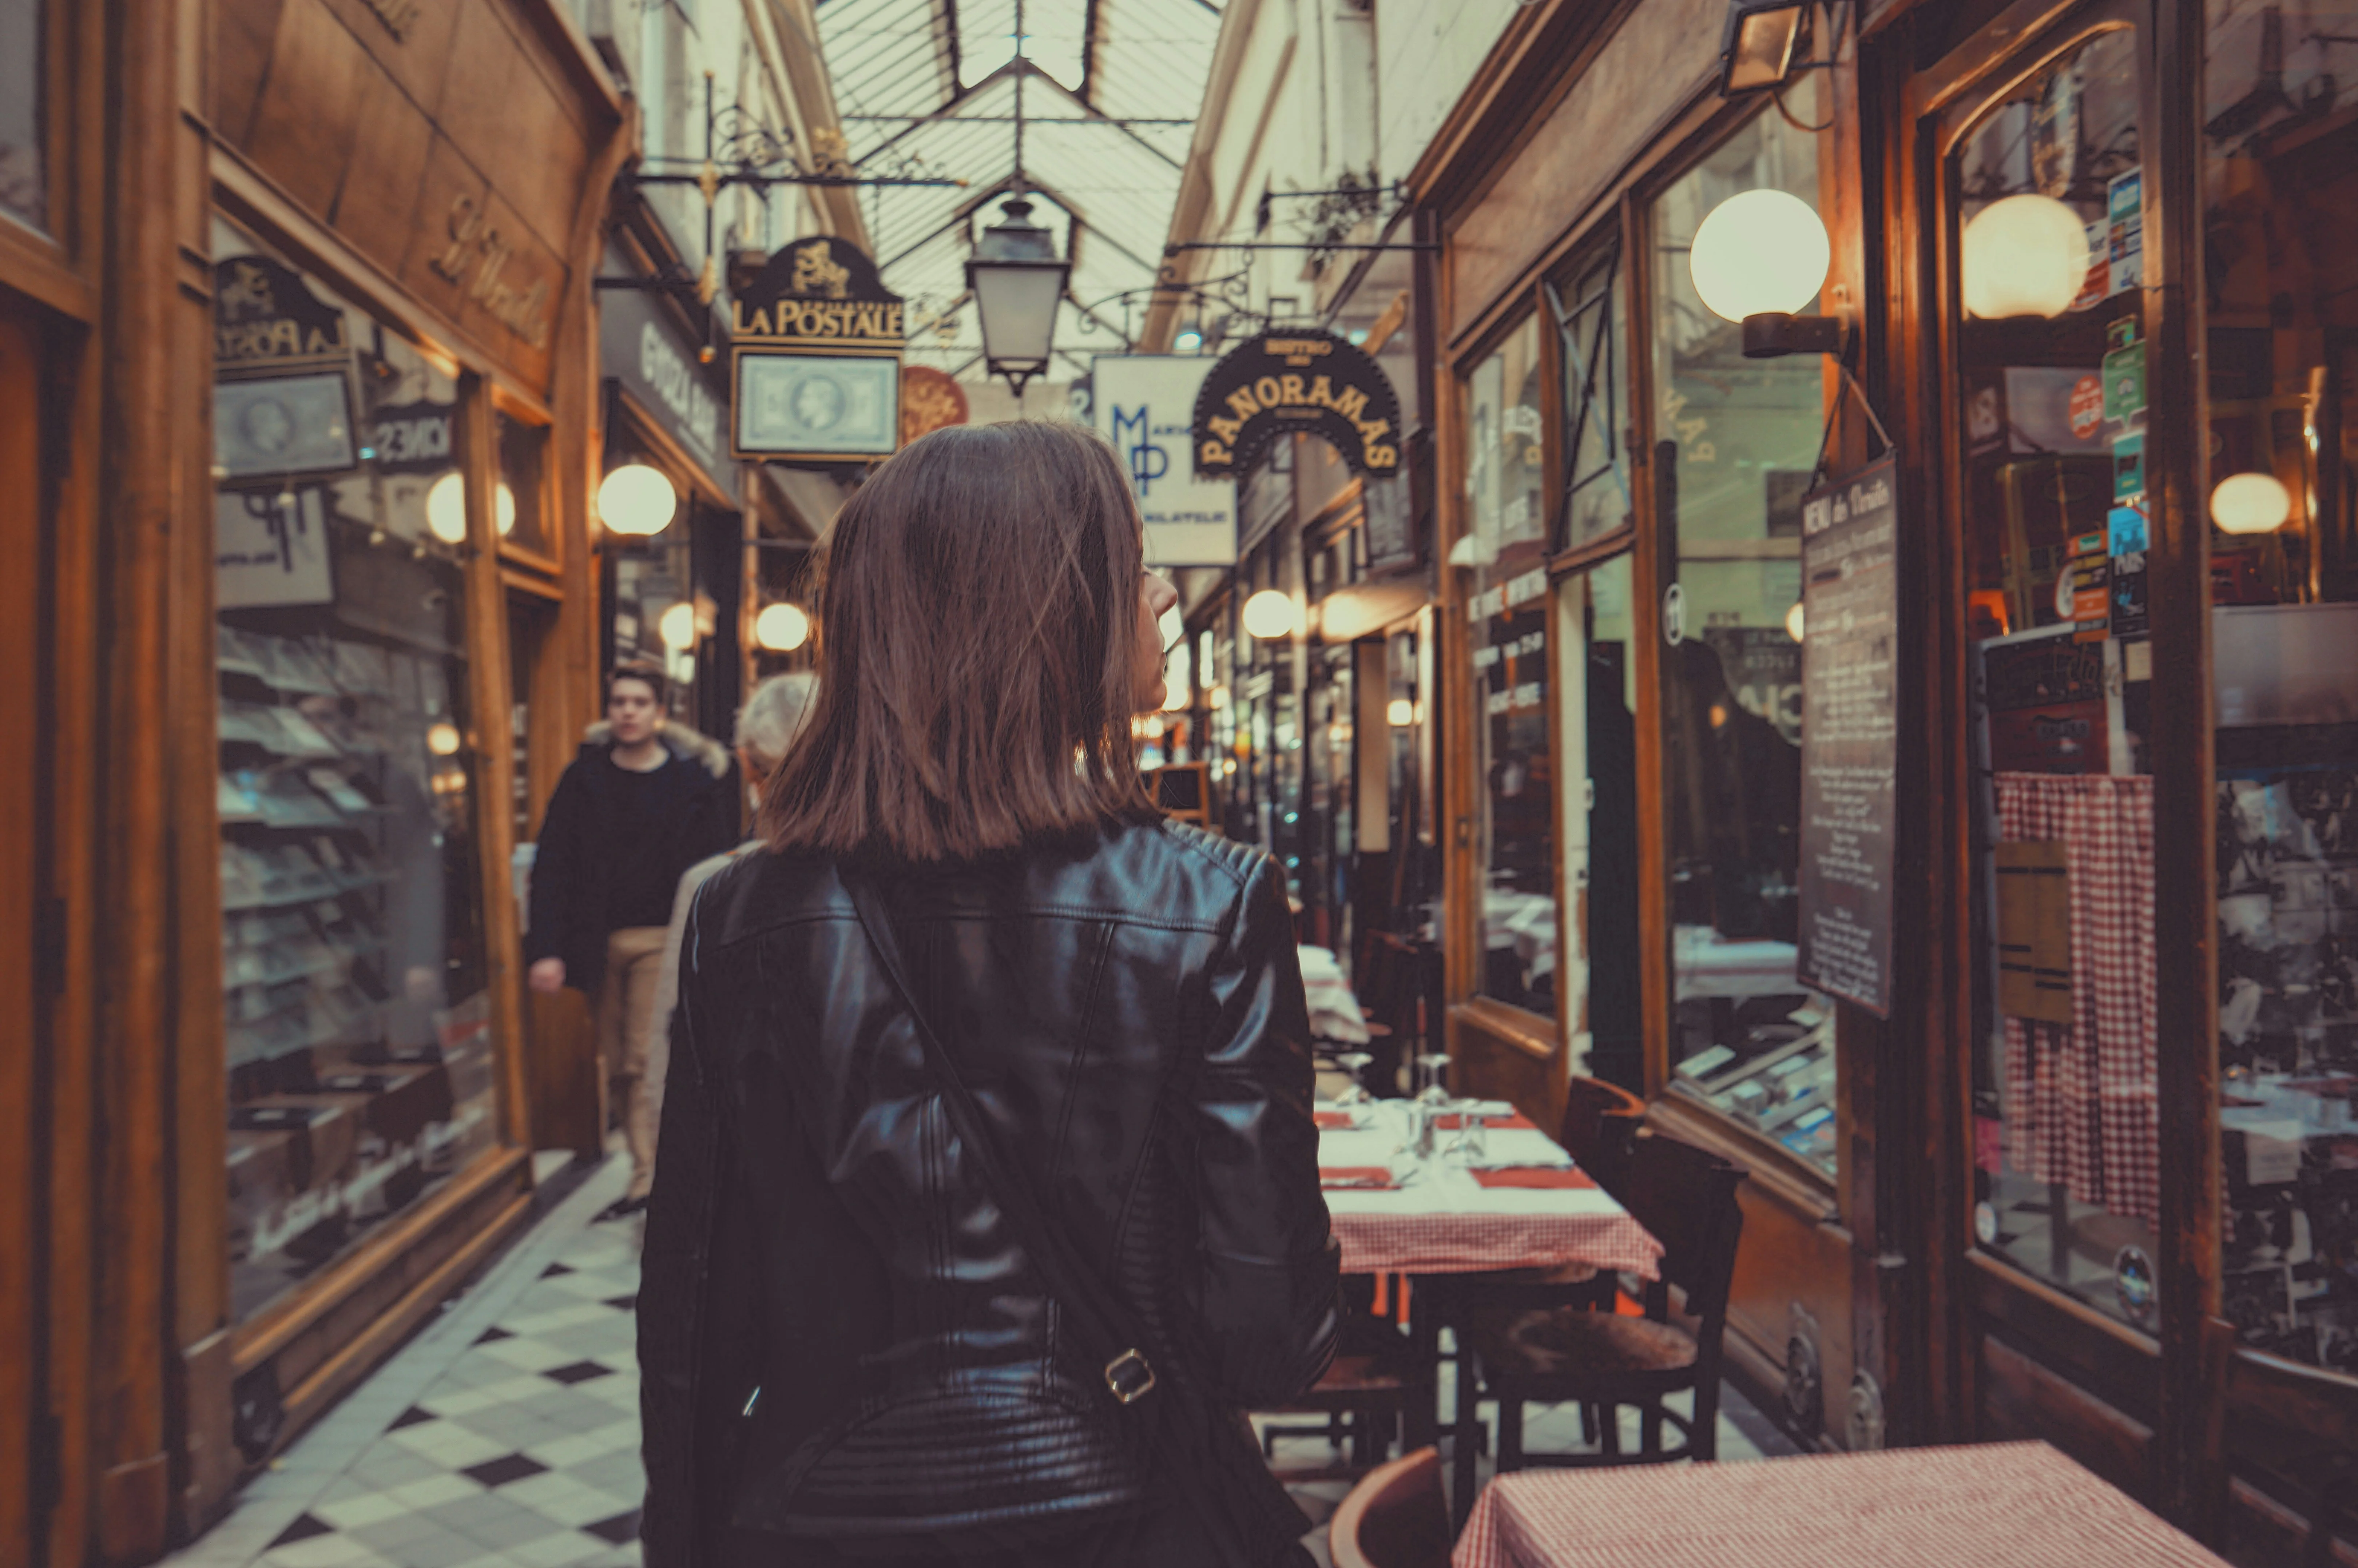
pixel 1129 1010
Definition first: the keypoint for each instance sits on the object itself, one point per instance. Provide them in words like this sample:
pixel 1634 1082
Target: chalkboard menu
pixel 1849 734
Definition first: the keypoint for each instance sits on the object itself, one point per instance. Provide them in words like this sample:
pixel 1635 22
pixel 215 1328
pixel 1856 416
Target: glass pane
pixel 24 106
pixel 359 1028
pixel 522 504
pixel 1506 546
pixel 2053 436
pixel 2280 192
pixel 1600 763
pixel 1735 441
pixel 1587 308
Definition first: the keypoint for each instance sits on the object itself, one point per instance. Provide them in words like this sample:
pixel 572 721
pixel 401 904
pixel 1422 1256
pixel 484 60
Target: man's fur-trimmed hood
pixel 677 739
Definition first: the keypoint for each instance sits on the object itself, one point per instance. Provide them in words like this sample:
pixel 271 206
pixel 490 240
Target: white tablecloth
pixel 1443 1221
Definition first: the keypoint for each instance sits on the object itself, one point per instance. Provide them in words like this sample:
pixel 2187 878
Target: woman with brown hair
pixel 989 1192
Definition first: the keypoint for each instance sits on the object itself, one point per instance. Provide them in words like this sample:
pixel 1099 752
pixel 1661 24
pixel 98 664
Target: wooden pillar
pixel 140 511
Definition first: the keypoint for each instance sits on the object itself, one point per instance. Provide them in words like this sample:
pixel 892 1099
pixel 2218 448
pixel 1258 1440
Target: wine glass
pixel 1473 1140
pixel 1432 1094
pixel 1356 1064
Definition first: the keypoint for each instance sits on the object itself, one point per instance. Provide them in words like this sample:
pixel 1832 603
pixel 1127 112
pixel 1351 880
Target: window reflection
pixel 2053 444
pixel 1507 547
pixel 2280 192
pixel 358 1028
pixel 1736 442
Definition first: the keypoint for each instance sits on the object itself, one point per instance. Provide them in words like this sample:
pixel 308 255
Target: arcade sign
pixel 815 362
pixel 1296 380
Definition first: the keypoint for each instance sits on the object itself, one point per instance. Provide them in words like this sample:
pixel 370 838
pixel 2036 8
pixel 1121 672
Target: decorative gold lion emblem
pixel 248 292
pixel 817 272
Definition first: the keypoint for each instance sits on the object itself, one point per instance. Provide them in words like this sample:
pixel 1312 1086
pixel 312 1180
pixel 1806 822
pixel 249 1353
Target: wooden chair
pixel 1396 1518
pixel 1600 1127
pixel 2298 1422
pixel 1399 988
pixel 1536 1344
pixel 1363 1395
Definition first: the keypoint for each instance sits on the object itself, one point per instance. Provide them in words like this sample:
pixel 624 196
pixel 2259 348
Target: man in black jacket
pixel 642 802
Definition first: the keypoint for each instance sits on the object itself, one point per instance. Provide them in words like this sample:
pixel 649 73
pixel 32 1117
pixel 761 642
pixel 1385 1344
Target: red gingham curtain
pixel 2080 1105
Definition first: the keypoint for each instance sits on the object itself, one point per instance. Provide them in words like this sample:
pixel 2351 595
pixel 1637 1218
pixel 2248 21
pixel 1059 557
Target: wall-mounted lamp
pixel 1757 50
pixel 2023 255
pixel 1796 620
pixel 2249 504
pixel 446 508
pixel 443 739
pixel 1759 258
pixel 1270 615
pixel 782 628
pixel 677 627
pixel 1399 712
pixel 636 500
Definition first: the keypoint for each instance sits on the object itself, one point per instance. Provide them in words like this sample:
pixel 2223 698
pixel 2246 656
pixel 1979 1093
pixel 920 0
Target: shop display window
pixel 1586 305
pixel 2280 224
pixel 1736 442
pixel 24 106
pixel 358 1027
pixel 1506 547
pixel 2059 659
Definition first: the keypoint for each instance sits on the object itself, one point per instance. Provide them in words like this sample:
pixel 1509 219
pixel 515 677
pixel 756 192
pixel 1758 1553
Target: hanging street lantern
pixel 1018 281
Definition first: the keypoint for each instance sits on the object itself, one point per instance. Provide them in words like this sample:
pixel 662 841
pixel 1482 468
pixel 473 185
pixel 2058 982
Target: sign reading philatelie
pixel 815 358
pixel 1850 674
pixel 1143 405
pixel 1296 380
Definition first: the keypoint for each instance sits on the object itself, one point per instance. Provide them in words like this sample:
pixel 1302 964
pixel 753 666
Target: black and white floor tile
pixel 506 1434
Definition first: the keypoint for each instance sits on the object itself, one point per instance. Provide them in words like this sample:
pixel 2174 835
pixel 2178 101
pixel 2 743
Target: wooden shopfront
pixel 2091 256
pixel 313 520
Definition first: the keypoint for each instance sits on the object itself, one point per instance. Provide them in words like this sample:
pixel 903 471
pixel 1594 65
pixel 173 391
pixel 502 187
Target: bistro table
pixel 1443 1220
pixel 1993 1505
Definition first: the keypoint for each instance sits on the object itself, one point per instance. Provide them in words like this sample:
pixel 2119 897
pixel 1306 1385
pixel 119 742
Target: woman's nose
pixel 1161 595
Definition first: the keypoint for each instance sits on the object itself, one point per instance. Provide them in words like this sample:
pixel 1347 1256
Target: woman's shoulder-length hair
pixel 977 609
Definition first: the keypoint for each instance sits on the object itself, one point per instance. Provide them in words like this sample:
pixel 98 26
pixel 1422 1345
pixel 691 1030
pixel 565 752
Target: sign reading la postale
pixel 1296 380
pixel 821 293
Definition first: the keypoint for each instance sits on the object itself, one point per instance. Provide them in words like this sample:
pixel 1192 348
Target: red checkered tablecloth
pixel 2000 1505
pixel 2081 1105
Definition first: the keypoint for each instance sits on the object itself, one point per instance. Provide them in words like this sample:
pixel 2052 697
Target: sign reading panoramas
pixel 1144 404
pixel 815 358
pixel 1296 380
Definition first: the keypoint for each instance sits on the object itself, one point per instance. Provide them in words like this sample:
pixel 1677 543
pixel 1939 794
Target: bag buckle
pixel 1129 1377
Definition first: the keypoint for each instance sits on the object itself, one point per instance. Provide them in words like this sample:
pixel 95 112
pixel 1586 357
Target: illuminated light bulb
pixel 1793 621
pixel 637 499
pixel 782 628
pixel 2024 255
pixel 1268 615
pixel 2249 504
pixel 1760 252
pixel 446 508
pixel 506 507
pixel 1229 768
pixel 677 627
pixel 1218 697
pixel 1188 342
pixel 1399 712
pixel 442 739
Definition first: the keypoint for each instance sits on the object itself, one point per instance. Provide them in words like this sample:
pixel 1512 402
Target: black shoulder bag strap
pixel 1106 1329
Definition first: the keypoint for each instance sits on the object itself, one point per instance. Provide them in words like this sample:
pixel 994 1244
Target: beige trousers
pixel 626 1031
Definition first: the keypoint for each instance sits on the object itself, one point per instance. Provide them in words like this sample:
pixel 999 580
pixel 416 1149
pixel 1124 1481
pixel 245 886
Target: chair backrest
pixel 2298 1421
pixel 1686 1197
pixel 1397 1517
pixel 1600 1126
pixel 1394 974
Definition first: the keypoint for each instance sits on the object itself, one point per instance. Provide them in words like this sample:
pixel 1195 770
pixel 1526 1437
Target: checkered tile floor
pixel 506 1435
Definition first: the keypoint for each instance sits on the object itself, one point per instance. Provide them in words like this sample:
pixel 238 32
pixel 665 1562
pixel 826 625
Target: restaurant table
pixel 1444 1222
pixel 1995 1505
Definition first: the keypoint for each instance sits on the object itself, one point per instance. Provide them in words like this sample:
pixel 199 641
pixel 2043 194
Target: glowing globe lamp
pixel 1794 621
pixel 677 627
pixel 782 628
pixel 2024 255
pixel 1268 615
pixel 1760 253
pixel 637 500
pixel 446 508
pixel 2249 504
pixel 1399 712
pixel 442 740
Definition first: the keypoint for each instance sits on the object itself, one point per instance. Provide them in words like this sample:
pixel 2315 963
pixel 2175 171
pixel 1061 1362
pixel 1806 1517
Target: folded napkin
pixel 1532 1177
pixel 1371 1178
pixel 1508 1121
pixel 1331 1120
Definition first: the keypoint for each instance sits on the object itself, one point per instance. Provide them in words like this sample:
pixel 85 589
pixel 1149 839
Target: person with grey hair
pixel 766 728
